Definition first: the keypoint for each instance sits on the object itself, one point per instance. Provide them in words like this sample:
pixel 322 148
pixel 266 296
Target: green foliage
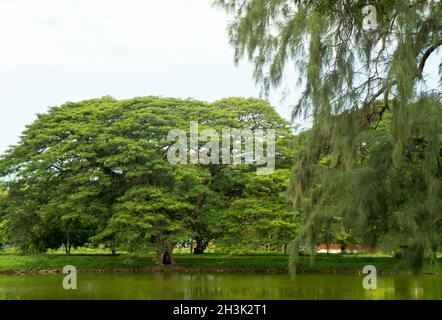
pixel 97 171
pixel 262 218
pixel 222 262
pixel 3 221
pixel 382 177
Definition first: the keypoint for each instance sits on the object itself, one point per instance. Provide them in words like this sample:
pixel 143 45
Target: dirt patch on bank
pixel 180 269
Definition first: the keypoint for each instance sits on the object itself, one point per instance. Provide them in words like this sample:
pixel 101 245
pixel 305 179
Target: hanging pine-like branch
pixel 374 152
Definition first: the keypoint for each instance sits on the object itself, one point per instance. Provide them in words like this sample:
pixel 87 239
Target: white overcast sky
pixel 53 51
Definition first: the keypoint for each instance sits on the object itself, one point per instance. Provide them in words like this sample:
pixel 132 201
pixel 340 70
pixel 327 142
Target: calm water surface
pixel 219 286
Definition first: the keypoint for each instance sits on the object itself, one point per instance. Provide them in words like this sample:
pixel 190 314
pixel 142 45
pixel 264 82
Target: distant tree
pixel 226 183
pixel 262 218
pixel 3 215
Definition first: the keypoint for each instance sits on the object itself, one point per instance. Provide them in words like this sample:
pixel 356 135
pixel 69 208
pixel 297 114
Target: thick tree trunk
pixel 113 247
pixel 201 245
pixel 167 256
pixel 284 248
pixel 198 250
pixel 67 245
pixel 164 255
pixel 343 247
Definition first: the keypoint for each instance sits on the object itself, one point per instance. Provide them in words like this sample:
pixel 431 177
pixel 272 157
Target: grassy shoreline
pixel 12 263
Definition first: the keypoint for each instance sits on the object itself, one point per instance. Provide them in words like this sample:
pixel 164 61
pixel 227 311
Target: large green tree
pixel 227 183
pixel 98 171
pixel 261 219
pixel 77 162
pixel 387 183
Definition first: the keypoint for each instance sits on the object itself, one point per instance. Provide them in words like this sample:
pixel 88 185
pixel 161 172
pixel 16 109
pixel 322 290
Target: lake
pixel 161 286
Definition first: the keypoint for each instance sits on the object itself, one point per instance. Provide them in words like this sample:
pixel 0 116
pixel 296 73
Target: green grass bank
pixel 54 262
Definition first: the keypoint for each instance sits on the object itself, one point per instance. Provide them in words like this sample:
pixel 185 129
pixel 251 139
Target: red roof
pixel 354 247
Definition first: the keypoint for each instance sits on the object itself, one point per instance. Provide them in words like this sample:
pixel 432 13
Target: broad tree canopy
pixel 97 170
